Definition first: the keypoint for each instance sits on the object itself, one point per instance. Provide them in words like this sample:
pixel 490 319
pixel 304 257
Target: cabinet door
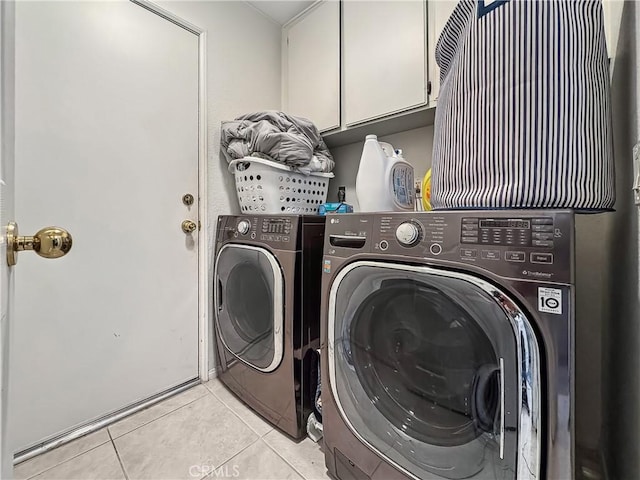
pixel 384 57
pixel 313 73
pixel 439 12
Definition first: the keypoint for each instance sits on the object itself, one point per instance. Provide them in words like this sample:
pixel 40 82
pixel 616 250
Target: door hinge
pixel 429 87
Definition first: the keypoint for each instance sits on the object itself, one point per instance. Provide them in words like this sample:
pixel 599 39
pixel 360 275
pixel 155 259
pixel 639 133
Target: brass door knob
pixel 49 242
pixel 188 226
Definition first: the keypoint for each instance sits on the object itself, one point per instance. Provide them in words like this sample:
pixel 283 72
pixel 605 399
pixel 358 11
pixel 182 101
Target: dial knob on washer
pixel 408 234
pixel 243 227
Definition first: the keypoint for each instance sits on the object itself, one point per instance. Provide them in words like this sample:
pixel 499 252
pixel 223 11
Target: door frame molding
pixel 7 147
pixel 203 235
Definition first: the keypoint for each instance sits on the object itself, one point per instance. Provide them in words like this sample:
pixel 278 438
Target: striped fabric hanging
pixel 524 113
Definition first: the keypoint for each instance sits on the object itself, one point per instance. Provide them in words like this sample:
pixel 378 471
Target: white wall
pixel 621 372
pixel 416 145
pixel 243 62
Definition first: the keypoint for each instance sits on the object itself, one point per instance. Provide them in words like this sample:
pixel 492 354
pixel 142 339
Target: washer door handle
pixel 486 380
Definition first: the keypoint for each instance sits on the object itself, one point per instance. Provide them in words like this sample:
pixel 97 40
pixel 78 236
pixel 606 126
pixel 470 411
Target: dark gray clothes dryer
pixel 267 312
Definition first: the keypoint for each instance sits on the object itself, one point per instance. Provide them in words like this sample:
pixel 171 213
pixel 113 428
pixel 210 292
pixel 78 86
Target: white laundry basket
pixel 269 187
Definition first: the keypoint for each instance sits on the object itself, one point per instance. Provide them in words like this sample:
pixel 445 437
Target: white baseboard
pixel 213 373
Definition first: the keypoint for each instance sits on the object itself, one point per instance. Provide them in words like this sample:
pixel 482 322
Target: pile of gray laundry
pixel 277 136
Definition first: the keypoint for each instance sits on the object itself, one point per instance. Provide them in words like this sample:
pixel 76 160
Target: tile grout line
pixel 63 461
pixel 158 418
pixel 259 438
pixel 239 418
pixel 237 415
pixel 111 439
pixel 124 471
pixel 285 460
pixel 208 475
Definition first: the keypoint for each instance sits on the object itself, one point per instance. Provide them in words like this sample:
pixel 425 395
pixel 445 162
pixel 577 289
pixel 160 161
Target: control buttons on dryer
pixel 469 230
pixel 408 234
pixel 542 258
pixel 542 228
pixel 542 235
pixel 542 221
pixel 435 249
pixel 490 254
pixel 542 243
pixel 243 227
pixel 468 253
pixel 514 256
pixel 384 245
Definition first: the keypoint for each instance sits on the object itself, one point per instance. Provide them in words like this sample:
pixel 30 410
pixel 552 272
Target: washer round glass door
pixel 423 365
pixel 249 303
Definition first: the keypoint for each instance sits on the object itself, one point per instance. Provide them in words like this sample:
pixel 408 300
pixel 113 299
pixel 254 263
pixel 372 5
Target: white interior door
pixel 106 146
pixel 6 214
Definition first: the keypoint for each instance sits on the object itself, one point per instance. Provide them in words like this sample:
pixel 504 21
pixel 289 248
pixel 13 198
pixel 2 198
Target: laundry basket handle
pixel 233 163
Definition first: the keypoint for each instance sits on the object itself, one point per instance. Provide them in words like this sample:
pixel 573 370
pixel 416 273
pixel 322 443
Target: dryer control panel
pixel 278 232
pixel 531 244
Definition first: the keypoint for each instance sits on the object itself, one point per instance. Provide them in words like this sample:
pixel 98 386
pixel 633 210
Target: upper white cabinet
pixel 439 12
pixel 364 66
pixel 313 66
pixel 384 58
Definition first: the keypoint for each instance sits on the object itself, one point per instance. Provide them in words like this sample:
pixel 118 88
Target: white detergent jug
pixel 385 179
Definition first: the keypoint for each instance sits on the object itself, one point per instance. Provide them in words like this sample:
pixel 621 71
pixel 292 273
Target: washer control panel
pixel 509 232
pixel 531 244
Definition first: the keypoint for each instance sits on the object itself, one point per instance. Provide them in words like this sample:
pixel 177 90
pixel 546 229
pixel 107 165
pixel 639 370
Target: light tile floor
pixel 204 432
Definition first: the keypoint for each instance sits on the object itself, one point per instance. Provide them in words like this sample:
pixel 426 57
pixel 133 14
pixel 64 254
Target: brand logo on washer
pixel 550 300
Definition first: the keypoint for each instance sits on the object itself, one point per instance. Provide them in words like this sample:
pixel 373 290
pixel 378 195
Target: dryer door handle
pixel 219 296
